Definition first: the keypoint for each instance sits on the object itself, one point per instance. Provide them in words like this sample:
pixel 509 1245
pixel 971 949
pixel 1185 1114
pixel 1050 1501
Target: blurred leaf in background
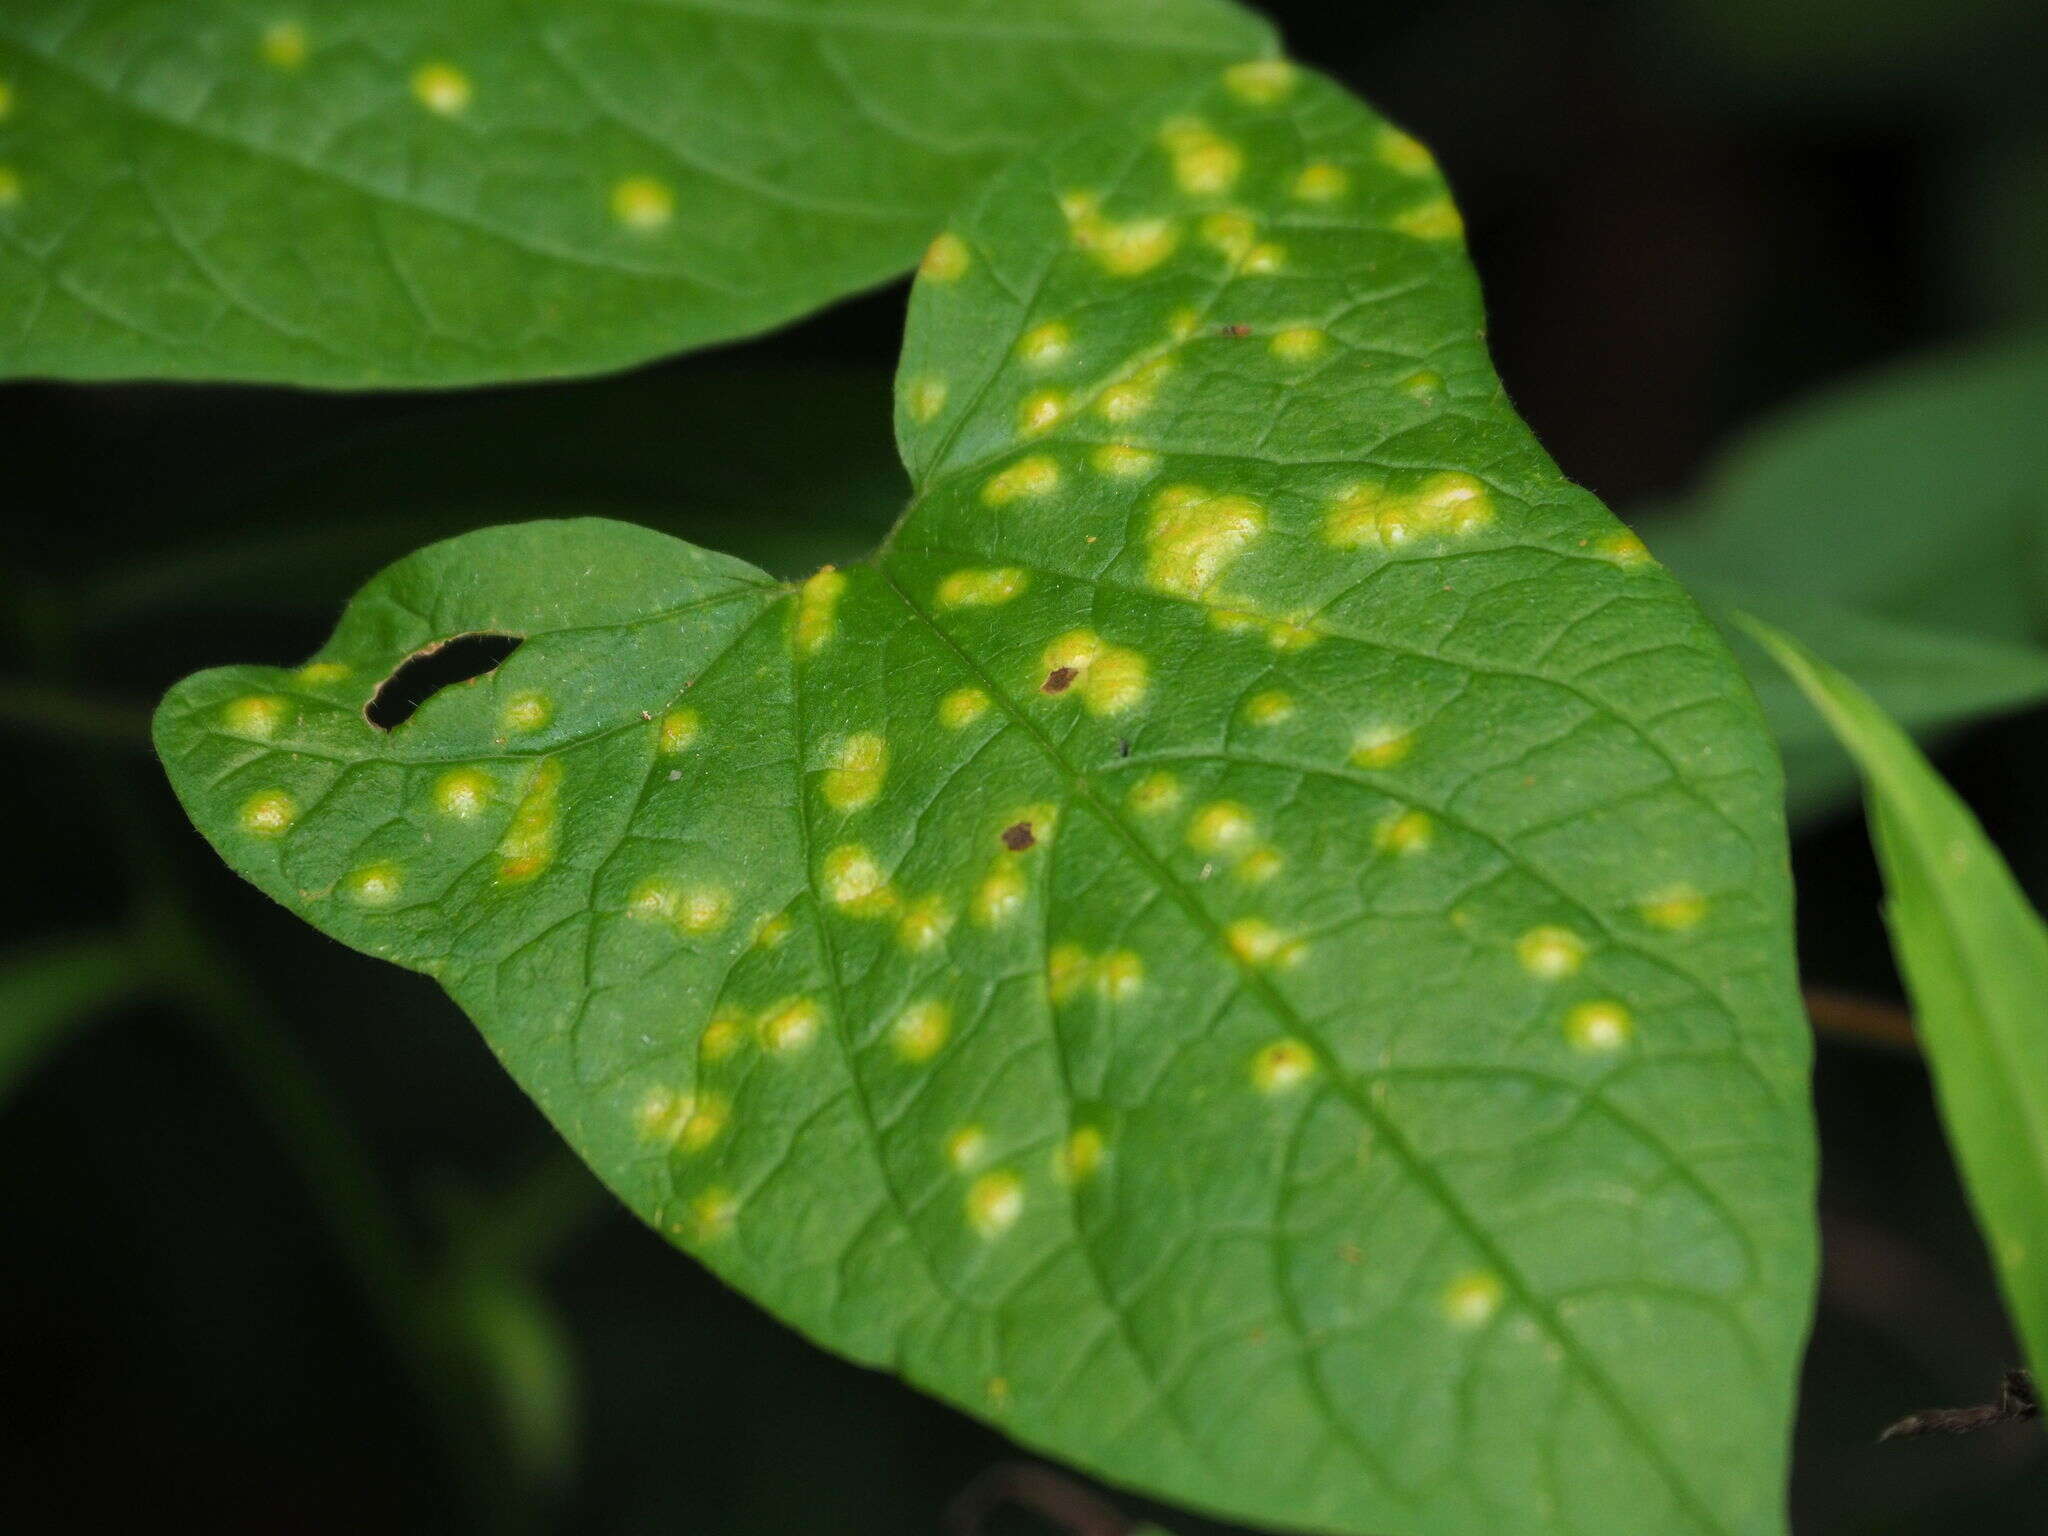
pixel 1898 525
pixel 1852 47
pixel 48 991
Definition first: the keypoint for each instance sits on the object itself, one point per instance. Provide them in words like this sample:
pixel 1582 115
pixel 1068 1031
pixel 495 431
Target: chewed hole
pixel 459 659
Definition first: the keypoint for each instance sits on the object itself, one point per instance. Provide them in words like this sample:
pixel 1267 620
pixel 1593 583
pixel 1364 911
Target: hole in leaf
pixel 459 659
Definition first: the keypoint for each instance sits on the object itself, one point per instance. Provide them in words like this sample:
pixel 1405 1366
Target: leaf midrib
pixel 1426 1178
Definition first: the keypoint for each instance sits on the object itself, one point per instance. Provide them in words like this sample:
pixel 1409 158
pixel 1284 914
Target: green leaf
pixel 394 193
pixel 1930 680
pixel 49 990
pixel 1247 946
pixel 1893 525
pixel 1975 957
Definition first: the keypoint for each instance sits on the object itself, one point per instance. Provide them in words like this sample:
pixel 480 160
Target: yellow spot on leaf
pixel 1193 536
pixel 1282 1064
pixel 1040 411
pixel 925 923
pixel 1157 792
pixel 1399 152
pixel 1598 1027
pixel 927 397
pixel 1204 162
pixel 855 882
pixel 972 588
pixel 679 731
pixel 1128 398
pixel 283 46
pixel 1120 975
pixel 1257 942
pixel 967 1148
pixel 269 814
pixel 713 1213
pixel 643 203
pixel 772 931
pixel 1000 896
pixel 441 88
pixel 1269 708
pixel 1080 1155
pixel 1124 461
pixel 527 711
pixel 1223 826
pixel 1260 82
pixel 859 765
pixel 726 1032
pixel 790 1025
pixel 375 885
pixel 1676 909
pixel 1108 679
pixel 1452 504
pixel 319 674
pixel 1623 549
pixel 690 1121
pixel 528 846
pixel 962 707
pixel 994 1202
pixel 1135 248
pixel 1322 182
pixel 921 1030
pixel 1264 259
pixel 704 910
pixel 1410 832
pixel 1471 1300
pixel 1044 345
pixel 462 793
pixel 257 716
pixel 1424 384
pixel 1381 746
pixel 1035 476
pixel 1066 970
pixel 1259 866
pixel 1550 952
pixel 1299 344
pixel 1231 232
pixel 817 609
pixel 1437 219
pixel 655 900
pixel 946 259
pixel 1121 249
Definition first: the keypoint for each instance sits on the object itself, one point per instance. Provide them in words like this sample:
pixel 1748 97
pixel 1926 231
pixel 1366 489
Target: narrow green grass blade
pixel 1975 957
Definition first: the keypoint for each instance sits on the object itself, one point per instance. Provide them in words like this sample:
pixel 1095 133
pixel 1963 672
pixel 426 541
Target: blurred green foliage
pixel 1899 526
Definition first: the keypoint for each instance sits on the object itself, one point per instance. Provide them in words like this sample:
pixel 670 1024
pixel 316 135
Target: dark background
pixel 220 1210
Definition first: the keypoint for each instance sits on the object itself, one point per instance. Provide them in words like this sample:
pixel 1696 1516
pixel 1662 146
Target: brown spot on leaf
pixel 1058 680
pixel 1018 837
pixel 1237 330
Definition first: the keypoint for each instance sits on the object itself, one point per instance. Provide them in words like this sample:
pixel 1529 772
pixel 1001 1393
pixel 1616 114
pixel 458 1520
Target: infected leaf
pixel 1374 1101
